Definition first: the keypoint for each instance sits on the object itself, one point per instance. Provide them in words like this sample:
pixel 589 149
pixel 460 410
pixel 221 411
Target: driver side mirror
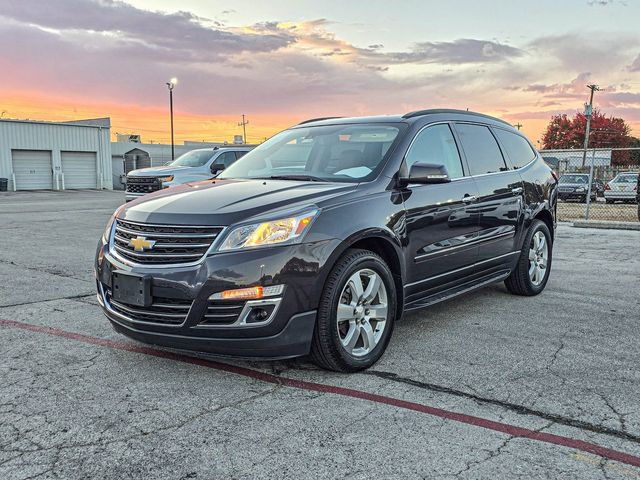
pixel 217 167
pixel 426 173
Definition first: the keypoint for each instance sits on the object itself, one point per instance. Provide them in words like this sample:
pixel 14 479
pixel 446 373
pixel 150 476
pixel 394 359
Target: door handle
pixel 469 198
pixel 517 190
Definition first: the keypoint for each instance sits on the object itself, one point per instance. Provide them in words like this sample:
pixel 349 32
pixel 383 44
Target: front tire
pixel 531 273
pixel 356 314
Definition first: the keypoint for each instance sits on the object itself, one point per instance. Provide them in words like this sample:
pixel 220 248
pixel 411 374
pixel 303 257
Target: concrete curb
pixel 607 225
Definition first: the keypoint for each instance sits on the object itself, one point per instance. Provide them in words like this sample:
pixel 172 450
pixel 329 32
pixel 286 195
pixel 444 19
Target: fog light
pixel 251 293
pixel 259 314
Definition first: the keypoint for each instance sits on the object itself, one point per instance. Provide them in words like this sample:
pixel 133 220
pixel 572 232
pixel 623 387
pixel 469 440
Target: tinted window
pixel 436 145
pixel 481 149
pixel 226 158
pixel 240 154
pixel 518 149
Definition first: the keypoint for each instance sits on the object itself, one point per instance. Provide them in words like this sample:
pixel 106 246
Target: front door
pixel 441 226
pixel 500 202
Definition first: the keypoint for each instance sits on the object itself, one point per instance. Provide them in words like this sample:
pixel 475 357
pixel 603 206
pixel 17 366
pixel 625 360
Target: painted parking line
pixel 501 427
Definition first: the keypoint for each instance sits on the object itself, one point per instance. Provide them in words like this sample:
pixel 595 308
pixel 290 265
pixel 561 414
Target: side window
pixel 481 149
pixel 436 144
pixel 519 151
pixel 226 158
pixel 239 155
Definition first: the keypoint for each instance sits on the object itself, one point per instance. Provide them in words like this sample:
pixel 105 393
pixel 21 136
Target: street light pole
pixel 170 85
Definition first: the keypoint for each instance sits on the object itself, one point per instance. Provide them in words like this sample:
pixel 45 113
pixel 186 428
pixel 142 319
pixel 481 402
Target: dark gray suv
pixel 317 241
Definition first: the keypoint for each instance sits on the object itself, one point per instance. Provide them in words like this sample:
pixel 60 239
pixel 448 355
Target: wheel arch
pixel 545 216
pixel 383 244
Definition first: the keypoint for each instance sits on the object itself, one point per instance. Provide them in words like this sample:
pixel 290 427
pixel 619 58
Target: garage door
pixel 79 169
pixel 32 169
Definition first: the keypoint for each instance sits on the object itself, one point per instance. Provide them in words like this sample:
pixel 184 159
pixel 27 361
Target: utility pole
pixel 244 124
pixel 588 111
pixel 518 125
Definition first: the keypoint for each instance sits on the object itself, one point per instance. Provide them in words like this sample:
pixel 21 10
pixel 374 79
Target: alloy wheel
pixel 538 258
pixel 362 312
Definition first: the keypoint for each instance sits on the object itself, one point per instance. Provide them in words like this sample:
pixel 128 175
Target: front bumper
pixel 573 195
pixel 616 195
pixel 287 333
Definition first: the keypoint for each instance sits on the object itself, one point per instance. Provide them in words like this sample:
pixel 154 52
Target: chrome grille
pixel 221 313
pixel 173 243
pixel 143 184
pixel 165 311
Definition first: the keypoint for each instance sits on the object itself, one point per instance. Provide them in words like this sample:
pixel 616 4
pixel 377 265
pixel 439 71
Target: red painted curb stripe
pixel 347 392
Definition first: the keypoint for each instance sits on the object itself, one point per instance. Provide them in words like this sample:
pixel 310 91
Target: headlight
pixel 107 231
pixel 580 189
pixel 166 179
pixel 285 230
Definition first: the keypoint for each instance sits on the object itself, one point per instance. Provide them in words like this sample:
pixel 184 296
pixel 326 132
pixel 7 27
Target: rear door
pixel 441 226
pixel 500 203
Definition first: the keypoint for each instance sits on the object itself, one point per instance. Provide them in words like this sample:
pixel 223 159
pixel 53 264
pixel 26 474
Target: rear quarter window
pixel 517 148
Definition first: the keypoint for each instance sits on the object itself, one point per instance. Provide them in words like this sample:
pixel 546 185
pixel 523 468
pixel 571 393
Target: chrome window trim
pixel 114 254
pixel 511 170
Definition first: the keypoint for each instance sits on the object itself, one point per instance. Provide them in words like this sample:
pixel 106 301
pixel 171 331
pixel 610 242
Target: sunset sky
pixel 282 61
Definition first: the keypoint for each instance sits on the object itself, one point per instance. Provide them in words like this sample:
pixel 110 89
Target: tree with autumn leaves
pixel 606 132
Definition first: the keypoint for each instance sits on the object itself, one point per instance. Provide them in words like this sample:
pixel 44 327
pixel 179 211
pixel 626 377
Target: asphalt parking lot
pixel 485 386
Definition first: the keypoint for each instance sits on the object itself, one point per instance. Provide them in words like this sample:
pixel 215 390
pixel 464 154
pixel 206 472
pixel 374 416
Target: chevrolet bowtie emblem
pixel 140 244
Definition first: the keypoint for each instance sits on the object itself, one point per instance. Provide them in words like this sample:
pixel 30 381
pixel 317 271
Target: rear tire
pixel 356 314
pixel 531 273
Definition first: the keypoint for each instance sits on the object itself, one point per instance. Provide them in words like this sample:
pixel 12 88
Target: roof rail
pixel 419 113
pixel 317 119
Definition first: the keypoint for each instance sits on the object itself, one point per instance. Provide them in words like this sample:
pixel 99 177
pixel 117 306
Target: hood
pixel 225 202
pixel 156 171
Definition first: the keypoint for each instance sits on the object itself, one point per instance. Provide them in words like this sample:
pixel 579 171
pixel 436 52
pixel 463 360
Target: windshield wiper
pixel 302 178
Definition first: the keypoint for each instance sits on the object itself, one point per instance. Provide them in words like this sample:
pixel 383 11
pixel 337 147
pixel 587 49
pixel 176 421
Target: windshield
pixel 334 153
pixel 194 158
pixel 574 179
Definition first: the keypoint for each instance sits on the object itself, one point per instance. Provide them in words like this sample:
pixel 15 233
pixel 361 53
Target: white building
pixel 56 156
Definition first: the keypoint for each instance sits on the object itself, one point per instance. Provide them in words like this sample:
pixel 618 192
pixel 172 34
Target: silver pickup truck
pixel 193 166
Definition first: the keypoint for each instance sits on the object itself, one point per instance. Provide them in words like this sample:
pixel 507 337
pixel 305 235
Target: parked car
pixel 575 186
pixel 193 166
pixel 553 162
pixel 317 241
pixel 624 188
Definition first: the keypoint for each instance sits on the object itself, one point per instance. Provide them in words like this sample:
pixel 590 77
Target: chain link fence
pixel 601 185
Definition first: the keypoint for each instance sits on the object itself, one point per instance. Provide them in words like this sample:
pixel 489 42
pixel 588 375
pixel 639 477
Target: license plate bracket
pixel 131 288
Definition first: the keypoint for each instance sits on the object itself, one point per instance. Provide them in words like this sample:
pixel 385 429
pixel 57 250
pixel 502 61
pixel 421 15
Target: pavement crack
pixel 71 297
pixel 519 409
